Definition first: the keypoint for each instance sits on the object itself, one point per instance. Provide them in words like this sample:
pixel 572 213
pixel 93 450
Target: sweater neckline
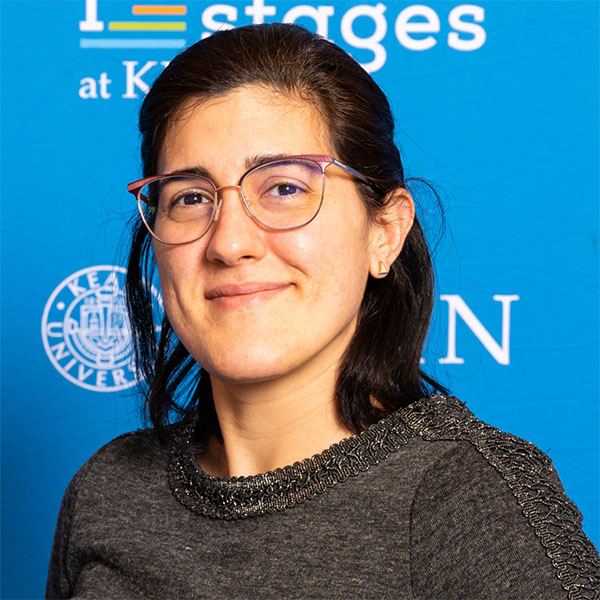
pixel 253 495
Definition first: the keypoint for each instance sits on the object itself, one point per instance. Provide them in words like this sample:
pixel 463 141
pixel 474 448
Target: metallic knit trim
pixel 242 497
pixel 528 472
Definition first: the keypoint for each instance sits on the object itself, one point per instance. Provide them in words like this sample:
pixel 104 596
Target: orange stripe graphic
pixel 157 9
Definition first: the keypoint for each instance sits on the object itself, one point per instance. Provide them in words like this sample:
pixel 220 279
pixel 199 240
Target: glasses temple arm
pixel 360 176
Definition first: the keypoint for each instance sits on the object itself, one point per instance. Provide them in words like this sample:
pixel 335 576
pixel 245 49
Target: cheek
pixel 175 268
pixel 334 259
pixel 167 268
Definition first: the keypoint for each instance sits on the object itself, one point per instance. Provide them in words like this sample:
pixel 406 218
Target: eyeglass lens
pixel 279 195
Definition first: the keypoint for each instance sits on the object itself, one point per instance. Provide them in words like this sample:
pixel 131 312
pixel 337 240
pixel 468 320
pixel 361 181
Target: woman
pixel 294 270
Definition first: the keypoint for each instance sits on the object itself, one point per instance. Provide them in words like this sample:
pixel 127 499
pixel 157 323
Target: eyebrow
pixel 250 163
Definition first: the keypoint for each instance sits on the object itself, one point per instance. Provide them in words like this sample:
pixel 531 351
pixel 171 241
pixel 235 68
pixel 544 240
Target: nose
pixel 234 237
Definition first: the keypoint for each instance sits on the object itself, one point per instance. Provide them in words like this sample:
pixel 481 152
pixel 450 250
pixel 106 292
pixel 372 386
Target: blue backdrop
pixel 497 106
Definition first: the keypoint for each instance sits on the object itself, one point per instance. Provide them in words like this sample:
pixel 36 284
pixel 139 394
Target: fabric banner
pixel 496 106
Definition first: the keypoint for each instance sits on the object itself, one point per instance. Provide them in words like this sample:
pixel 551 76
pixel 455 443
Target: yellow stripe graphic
pixel 147 26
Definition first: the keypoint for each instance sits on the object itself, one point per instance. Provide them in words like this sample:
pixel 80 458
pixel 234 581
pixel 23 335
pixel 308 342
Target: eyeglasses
pixel 280 195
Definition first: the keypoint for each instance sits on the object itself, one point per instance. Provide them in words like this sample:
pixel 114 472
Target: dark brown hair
pixel 382 361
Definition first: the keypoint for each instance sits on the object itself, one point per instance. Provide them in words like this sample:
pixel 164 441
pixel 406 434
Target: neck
pixel 271 424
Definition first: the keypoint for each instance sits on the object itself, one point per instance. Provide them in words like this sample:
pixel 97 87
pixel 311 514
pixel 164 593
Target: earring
pixel 383 270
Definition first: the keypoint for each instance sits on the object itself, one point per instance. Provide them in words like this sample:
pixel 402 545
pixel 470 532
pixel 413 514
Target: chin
pixel 248 369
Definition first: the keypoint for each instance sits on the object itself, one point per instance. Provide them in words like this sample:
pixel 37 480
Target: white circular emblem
pixel 85 330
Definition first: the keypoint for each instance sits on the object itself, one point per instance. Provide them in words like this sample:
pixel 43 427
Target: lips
pixel 232 290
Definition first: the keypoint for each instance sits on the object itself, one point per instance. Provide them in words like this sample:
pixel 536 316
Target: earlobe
pixel 383 270
pixel 390 230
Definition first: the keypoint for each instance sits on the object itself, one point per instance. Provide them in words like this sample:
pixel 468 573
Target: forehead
pixel 248 121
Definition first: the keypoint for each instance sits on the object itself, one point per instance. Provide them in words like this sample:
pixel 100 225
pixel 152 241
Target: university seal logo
pixel 85 330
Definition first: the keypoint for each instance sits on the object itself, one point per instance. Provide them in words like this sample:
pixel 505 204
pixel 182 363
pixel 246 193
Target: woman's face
pixel 312 279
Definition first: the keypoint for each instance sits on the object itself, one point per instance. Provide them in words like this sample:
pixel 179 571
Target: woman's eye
pixel 285 189
pixel 191 198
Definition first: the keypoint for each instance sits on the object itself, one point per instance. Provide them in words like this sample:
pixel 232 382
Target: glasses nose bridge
pixel 219 198
pixel 227 187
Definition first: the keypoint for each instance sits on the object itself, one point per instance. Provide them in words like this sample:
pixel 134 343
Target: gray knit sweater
pixel 428 503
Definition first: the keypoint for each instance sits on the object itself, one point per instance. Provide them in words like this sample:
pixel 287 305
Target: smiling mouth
pixel 241 294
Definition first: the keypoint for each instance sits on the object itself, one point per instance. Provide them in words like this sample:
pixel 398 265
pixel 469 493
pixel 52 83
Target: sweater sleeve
pixel 58 584
pixel 470 538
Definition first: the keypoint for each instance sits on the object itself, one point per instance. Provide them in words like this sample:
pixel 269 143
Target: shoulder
pixel 129 462
pixel 483 453
pixel 130 451
pixel 482 450
pixel 100 502
pixel 445 418
pixel 493 499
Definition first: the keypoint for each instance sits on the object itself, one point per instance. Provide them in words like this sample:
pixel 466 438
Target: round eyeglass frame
pixel 322 160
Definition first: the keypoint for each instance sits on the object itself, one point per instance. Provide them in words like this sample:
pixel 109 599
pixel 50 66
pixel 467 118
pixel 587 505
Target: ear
pixel 389 231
